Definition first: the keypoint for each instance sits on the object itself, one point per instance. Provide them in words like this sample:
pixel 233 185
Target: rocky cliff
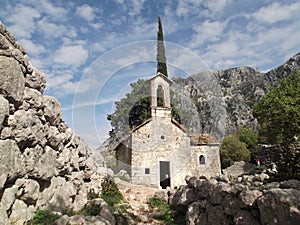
pixel 44 165
pixel 219 102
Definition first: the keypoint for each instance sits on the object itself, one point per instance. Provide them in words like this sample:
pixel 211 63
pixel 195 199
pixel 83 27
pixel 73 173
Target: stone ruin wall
pixel 246 201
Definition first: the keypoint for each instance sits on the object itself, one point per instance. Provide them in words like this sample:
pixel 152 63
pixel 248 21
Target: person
pixel 258 162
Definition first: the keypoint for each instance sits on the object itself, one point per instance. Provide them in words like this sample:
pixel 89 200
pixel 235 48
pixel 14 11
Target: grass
pixel 166 216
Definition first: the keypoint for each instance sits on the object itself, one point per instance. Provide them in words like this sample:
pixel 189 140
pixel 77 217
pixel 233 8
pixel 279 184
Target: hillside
pixel 219 102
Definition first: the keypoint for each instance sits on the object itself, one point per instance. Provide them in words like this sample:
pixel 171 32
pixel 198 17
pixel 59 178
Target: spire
pixel 161 56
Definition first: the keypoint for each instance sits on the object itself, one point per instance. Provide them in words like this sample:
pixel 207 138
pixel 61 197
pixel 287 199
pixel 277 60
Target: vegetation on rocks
pixel 43 217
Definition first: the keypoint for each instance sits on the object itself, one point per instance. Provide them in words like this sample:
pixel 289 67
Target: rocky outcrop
pixel 44 165
pixel 219 102
pixel 218 201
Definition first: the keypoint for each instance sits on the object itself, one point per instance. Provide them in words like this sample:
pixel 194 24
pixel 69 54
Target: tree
pixel 131 110
pixel 278 113
pixel 250 138
pixel 161 56
pixel 134 109
pixel 233 150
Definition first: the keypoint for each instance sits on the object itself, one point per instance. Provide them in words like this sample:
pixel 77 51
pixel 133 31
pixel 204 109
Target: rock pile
pixel 44 165
pixel 219 201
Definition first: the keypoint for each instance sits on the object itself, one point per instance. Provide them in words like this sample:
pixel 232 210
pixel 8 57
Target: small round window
pixel 162 137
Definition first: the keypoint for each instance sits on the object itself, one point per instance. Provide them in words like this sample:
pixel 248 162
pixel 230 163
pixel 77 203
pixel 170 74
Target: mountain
pixel 219 102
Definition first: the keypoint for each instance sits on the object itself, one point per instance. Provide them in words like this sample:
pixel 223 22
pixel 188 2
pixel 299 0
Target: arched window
pixel 160 96
pixel 201 160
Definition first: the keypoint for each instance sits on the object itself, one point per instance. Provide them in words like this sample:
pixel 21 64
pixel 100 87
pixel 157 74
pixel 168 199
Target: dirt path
pixel 137 197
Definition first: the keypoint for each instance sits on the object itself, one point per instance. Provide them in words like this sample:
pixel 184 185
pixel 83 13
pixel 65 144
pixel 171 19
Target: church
pixel 159 152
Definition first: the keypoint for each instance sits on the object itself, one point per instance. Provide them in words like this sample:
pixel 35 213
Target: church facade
pixel 159 151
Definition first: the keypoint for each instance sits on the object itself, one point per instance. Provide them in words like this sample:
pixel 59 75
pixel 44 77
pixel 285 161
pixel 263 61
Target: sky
pixel 90 51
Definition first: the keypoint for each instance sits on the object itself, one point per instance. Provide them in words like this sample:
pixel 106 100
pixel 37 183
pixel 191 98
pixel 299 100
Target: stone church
pixel 159 152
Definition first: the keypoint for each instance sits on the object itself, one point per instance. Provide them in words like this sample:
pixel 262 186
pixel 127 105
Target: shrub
pixel 43 217
pixel 110 193
pixel 233 150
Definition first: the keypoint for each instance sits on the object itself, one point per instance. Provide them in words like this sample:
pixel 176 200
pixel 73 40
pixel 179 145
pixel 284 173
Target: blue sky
pixel 90 51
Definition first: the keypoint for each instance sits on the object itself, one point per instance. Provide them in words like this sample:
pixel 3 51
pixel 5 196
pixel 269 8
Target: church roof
pixel 163 76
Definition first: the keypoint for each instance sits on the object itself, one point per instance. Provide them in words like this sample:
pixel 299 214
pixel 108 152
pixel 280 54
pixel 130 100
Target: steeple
pixel 160 96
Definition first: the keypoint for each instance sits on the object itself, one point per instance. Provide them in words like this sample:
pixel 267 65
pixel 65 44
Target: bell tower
pixel 160 96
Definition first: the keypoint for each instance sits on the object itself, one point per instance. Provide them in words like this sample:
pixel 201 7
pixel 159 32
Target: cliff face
pixel 219 102
pixel 44 165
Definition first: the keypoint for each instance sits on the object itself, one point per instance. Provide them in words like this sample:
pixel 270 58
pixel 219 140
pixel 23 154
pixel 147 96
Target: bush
pixel 110 193
pixel 233 150
pixel 44 217
pixel 250 138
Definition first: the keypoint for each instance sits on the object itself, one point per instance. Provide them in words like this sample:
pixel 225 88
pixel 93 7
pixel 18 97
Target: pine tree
pixel 161 55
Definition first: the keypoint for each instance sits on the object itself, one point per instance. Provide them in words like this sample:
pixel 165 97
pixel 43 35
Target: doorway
pixel 164 168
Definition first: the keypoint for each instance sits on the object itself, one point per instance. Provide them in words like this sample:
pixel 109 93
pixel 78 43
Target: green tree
pixel 233 150
pixel 250 138
pixel 161 56
pixel 134 109
pixel 278 113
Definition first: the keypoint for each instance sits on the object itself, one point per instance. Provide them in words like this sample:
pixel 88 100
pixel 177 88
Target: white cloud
pixel 75 55
pixel 32 48
pixel 86 12
pixel 22 20
pixel 208 31
pixel 56 81
pixel 135 7
pixel 185 7
pixel 276 12
pixel 216 6
pixel 55 30
pixel 48 8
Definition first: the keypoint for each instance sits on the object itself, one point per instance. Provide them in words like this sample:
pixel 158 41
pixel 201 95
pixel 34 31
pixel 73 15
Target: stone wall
pixel 210 164
pixel 247 201
pixel 159 140
pixel 44 165
pixel 283 159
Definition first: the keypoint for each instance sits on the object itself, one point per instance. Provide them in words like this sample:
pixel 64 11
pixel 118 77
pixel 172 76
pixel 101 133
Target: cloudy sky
pixel 92 50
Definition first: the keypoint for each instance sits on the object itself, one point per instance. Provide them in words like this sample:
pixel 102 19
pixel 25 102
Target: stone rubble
pixel 221 201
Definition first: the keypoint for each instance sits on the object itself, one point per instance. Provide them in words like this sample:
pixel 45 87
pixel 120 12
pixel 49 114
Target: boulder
pixel 52 110
pixel 248 198
pixel 243 217
pixel 58 196
pixel 279 206
pixel 32 98
pixel 81 219
pixel 183 197
pixel 4 110
pixel 54 138
pixel 20 213
pixel 36 80
pixel 11 165
pixel 290 184
pixel 28 190
pixel 9 197
pixel 3 216
pixel 12 81
pixel 196 213
pixel 27 128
